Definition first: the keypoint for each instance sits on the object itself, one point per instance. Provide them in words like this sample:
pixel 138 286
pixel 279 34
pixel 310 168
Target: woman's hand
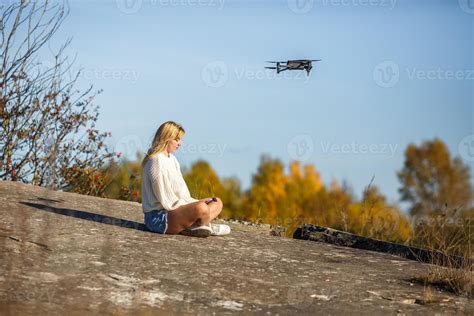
pixel 208 200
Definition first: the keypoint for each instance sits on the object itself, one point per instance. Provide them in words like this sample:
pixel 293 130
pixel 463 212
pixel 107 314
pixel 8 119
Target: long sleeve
pixel 162 188
pixel 184 188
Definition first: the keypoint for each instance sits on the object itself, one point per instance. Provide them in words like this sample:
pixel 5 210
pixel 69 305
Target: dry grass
pixel 450 238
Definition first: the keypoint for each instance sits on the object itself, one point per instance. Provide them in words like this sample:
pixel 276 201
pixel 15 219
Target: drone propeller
pixel 273 61
pixel 270 67
pixel 316 60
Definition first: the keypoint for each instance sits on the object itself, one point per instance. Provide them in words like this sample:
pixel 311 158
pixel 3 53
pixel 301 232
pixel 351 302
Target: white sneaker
pixel 219 229
pixel 197 231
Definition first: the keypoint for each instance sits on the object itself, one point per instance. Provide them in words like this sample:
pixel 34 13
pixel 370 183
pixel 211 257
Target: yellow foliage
pixel 300 197
pixel 204 182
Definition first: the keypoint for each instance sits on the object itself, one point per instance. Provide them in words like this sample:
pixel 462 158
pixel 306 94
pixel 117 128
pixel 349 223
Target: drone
pixel 299 64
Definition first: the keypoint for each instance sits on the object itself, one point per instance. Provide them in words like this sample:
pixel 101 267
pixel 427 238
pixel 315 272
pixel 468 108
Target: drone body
pixel 298 64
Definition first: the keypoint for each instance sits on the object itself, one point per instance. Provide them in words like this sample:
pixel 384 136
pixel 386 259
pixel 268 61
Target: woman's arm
pixel 184 192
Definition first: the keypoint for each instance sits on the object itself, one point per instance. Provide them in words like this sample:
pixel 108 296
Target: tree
pixel 432 181
pixel 374 217
pixel 203 182
pixel 123 180
pixel 302 187
pixel 299 197
pixel 265 197
pixel 47 134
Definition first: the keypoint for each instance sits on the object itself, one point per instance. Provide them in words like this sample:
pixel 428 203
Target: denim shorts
pixel 157 221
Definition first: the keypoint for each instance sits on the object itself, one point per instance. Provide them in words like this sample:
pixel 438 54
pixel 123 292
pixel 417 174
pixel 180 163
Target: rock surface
pixel 65 253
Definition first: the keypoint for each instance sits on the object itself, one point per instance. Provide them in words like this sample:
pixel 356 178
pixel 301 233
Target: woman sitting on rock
pixel 166 201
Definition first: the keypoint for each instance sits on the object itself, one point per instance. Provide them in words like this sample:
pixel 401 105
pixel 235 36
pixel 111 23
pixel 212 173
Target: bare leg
pixel 186 215
pixel 214 207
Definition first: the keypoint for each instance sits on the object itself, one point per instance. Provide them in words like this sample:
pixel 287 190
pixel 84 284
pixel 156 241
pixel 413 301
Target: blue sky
pixel 392 73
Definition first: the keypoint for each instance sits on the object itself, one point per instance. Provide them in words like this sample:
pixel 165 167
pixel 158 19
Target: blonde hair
pixel 166 132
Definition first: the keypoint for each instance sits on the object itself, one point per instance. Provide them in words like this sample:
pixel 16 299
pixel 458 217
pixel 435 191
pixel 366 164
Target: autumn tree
pixel 122 180
pixel 203 181
pixel 374 217
pixel 232 198
pixel 431 180
pixel 47 130
pixel 302 185
pixel 265 197
pixel 299 196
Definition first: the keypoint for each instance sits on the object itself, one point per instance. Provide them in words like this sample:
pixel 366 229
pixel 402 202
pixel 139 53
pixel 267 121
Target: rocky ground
pixel 65 253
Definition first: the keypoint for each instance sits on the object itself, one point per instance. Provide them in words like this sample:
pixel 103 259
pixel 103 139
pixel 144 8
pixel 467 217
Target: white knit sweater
pixel 163 185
